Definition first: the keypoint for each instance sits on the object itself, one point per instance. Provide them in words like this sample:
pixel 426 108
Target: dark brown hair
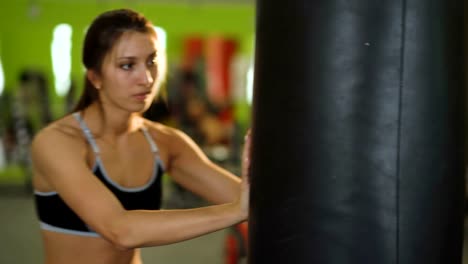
pixel 101 36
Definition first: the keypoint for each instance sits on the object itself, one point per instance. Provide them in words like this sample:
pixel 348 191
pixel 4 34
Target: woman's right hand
pixel 245 184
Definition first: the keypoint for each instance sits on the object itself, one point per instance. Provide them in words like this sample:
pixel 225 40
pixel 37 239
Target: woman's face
pixel 129 73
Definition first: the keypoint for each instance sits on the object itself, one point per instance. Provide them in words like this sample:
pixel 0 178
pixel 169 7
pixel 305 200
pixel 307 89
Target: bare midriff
pixel 72 249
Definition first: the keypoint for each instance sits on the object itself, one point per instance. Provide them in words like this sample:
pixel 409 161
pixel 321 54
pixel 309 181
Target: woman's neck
pixel 112 123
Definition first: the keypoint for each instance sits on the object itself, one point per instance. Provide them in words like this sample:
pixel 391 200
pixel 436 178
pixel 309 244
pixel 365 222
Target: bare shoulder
pixel 174 141
pixel 163 132
pixel 57 147
pixel 61 134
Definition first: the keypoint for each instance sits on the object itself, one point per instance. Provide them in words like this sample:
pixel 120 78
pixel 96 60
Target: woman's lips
pixel 141 96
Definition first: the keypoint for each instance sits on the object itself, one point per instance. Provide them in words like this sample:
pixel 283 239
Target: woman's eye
pixel 126 66
pixel 152 62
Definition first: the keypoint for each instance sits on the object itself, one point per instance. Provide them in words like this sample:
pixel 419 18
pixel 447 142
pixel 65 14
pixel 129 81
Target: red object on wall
pixel 212 57
pixel 219 53
pixel 236 244
pixel 193 52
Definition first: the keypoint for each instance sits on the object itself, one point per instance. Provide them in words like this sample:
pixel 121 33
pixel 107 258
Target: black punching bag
pixel 358 132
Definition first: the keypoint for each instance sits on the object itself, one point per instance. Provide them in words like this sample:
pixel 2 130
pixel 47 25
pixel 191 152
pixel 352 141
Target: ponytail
pixel 89 95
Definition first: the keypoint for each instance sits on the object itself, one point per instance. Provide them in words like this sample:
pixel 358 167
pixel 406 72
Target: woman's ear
pixel 94 78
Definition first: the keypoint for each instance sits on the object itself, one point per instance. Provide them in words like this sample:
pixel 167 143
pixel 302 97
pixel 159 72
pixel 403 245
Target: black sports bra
pixel 55 215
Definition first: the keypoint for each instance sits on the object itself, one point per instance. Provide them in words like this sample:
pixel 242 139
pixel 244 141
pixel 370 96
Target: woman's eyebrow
pixel 152 54
pixel 126 58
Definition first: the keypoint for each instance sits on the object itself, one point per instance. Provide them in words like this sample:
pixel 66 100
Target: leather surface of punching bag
pixel 358 132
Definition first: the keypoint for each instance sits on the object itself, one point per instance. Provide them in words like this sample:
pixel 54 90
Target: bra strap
pixel 150 139
pixel 87 132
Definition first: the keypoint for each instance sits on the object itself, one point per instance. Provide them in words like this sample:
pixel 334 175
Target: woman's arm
pixel 192 169
pixel 60 159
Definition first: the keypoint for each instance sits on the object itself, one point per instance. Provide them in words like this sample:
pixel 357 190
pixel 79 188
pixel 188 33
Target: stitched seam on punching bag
pixel 400 110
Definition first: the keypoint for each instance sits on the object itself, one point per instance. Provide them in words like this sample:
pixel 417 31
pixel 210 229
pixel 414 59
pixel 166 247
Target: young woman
pixel 97 171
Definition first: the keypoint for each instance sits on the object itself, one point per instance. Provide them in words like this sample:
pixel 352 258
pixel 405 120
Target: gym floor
pixel 20 241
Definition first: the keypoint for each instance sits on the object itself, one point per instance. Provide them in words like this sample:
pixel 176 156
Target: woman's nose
pixel 146 76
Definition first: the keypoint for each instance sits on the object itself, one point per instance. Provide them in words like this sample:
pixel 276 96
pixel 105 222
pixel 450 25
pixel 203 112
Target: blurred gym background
pixel 209 46
pixel 207 93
